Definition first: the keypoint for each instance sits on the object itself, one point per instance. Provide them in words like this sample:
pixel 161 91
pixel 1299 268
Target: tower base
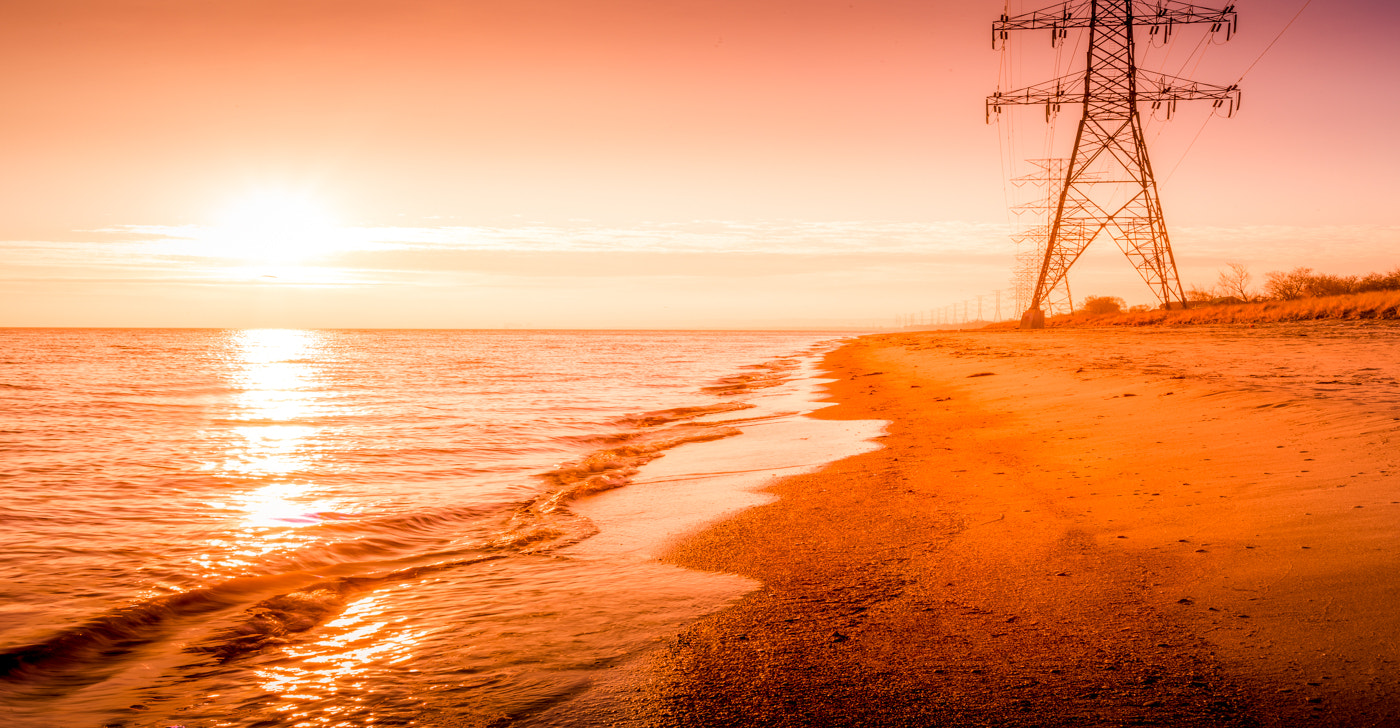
pixel 1033 319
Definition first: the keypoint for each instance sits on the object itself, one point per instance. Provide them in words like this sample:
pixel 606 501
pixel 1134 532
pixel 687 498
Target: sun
pixel 276 227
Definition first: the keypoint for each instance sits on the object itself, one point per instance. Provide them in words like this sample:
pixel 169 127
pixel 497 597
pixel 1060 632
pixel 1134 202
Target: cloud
pixel 709 236
pixel 1287 246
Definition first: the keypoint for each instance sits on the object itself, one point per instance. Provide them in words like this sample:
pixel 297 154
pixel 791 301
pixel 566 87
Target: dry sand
pixel 1181 527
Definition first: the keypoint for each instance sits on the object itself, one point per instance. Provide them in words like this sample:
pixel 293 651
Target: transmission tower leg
pixel 1033 319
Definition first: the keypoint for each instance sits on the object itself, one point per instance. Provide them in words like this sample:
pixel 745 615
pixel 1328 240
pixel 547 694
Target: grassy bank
pixel 1357 306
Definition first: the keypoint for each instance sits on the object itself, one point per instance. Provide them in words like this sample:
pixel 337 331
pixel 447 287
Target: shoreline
pixel 1222 553
pixel 702 483
pixel 695 487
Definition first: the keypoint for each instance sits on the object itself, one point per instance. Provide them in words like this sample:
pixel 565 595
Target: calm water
pixel 281 527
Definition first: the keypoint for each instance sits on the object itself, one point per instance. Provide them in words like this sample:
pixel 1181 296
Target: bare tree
pixel 1234 281
pixel 1287 286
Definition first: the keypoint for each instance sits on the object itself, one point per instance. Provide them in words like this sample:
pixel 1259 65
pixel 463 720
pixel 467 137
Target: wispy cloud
pixel 708 236
pixel 1315 246
pixel 702 248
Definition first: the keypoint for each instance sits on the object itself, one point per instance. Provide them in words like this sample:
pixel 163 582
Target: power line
pixel 1242 75
pixel 1275 40
pixel 1188 148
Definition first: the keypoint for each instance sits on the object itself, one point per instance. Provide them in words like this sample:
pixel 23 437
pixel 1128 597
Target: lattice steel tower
pixel 1031 239
pixel 1109 184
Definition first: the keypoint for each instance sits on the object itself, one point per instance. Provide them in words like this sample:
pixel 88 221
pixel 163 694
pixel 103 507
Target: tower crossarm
pixel 1151 87
pixel 1158 87
pixel 1052 93
pixel 1057 19
pixel 1170 12
pixel 1159 15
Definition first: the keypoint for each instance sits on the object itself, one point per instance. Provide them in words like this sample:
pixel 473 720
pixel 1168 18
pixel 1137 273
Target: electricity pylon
pixel 1032 239
pixel 1109 184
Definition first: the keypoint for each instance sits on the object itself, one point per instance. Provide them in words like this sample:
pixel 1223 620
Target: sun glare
pixel 276 227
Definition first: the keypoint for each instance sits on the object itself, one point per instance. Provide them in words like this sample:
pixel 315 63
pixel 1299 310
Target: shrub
pixel 1196 294
pixel 1379 282
pixel 1321 284
pixel 1102 305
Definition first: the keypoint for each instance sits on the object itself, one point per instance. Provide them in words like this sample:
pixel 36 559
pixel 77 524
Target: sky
pixel 632 163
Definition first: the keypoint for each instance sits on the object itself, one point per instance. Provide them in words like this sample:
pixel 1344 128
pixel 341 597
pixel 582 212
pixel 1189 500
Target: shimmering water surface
pixel 283 527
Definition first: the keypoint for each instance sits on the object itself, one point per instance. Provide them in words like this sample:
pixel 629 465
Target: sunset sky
pixel 628 163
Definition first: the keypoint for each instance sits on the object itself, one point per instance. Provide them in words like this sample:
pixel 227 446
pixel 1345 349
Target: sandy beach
pixel 1183 527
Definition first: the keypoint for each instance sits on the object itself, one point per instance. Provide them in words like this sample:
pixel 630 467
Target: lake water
pixel 326 528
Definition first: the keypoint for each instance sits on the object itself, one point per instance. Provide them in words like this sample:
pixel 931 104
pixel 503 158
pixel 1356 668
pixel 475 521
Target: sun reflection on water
pixel 336 667
pixel 275 447
pixel 282 504
pixel 276 370
pixel 276 376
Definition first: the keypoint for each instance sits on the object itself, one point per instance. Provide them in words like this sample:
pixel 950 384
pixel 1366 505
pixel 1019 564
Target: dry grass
pixel 1356 306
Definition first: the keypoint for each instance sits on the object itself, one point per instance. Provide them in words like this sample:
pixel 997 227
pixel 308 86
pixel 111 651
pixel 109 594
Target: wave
pixel 302 596
pixel 96 642
pixel 542 524
pixel 768 374
pixel 678 414
pixel 277 620
pixel 303 589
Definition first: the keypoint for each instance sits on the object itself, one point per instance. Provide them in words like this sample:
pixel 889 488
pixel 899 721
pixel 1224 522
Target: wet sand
pixel 1182 527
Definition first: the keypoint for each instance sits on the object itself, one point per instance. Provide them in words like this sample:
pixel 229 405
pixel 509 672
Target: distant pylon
pixel 1031 239
pixel 1109 182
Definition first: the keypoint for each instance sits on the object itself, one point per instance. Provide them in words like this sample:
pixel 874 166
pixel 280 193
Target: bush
pixel 1196 294
pixel 1304 283
pixel 1102 305
pixel 1320 285
pixel 1379 282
